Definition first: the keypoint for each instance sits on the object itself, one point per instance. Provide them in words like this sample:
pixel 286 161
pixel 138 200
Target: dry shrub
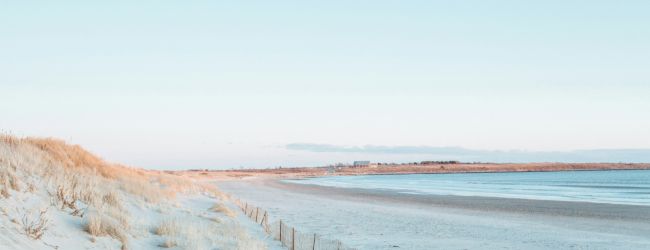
pixel 119 215
pixel 66 198
pixel 112 199
pixel 4 191
pixel 97 224
pixel 31 188
pixel 244 240
pixel 94 225
pixel 219 207
pixel 35 226
pixel 168 227
pixel 9 179
pixel 74 187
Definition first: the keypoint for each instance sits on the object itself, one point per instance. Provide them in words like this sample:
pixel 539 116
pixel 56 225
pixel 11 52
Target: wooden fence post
pixel 264 223
pixel 263 219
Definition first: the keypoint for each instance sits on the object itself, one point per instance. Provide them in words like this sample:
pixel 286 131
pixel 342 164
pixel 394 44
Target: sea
pixel 631 187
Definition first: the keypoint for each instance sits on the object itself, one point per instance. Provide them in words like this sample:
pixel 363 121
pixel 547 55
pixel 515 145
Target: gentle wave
pixel 616 187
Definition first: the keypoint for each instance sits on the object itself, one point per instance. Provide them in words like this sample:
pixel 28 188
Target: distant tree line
pixel 438 162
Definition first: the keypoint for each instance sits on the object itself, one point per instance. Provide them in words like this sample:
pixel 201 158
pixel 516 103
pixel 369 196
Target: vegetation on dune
pixel 220 208
pixel 85 186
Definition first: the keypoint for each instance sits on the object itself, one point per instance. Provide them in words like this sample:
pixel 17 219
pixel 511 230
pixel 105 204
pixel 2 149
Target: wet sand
pixel 382 219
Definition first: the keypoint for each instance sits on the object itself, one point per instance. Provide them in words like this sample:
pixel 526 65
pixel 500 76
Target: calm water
pixel 619 187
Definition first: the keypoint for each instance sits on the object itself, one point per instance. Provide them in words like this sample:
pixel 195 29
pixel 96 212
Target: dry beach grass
pixel 53 178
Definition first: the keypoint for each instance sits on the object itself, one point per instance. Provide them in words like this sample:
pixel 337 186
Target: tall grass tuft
pixel 220 208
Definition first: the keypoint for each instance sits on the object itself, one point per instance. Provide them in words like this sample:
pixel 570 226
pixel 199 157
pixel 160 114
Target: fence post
pixel 246 208
pixel 257 213
pixel 293 238
pixel 282 243
pixel 313 246
pixel 263 219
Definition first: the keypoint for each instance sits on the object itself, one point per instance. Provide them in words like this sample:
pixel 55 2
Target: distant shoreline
pixel 401 169
pixel 494 172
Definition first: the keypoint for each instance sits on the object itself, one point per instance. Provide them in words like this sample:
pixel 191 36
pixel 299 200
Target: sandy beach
pixel 383 219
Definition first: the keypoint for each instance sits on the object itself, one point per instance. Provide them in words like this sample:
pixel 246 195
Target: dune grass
pixel 97 224
pixel 168 227
pixel 221 208
pixel 89 188
pixel 35 226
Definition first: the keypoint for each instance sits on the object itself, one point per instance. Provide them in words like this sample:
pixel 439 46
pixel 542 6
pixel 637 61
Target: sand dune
pixel 59 196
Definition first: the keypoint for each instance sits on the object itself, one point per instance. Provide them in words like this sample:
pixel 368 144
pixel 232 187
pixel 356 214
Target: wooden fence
pixel 289 236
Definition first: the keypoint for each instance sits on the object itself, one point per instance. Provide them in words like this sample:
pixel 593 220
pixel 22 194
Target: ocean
pixel 631 187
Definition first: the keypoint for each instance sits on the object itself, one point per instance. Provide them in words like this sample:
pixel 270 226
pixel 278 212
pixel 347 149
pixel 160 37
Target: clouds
pixel 377 149
pixel 463 154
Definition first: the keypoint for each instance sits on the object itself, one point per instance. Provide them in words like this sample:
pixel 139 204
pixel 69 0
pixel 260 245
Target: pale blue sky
pixel 218 84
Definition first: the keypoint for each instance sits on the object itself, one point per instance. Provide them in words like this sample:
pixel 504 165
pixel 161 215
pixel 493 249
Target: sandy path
pixel 384 220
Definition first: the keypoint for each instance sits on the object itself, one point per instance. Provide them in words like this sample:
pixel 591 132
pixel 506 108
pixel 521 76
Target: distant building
pixel 361 163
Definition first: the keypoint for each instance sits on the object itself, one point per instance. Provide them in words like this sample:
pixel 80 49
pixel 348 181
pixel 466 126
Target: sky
pixel 231 84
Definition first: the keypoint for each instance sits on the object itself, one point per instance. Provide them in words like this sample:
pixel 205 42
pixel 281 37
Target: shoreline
pixel 403 169
pixel 380 219
pixel 470 172
pixel 476 203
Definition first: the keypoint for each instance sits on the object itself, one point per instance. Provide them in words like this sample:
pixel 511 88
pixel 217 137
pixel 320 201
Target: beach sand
pixel 383 219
